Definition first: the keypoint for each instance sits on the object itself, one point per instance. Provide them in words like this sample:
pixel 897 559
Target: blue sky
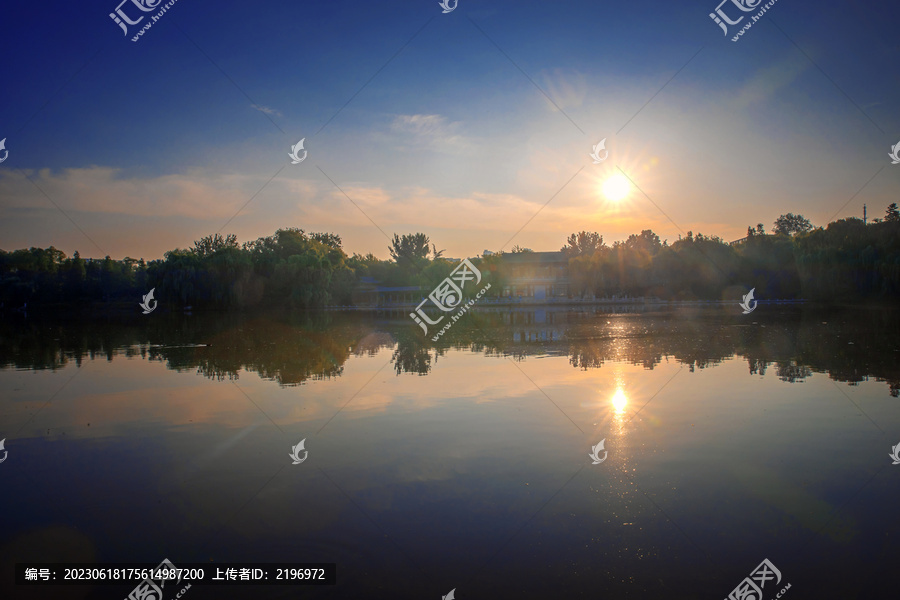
pixel 465 134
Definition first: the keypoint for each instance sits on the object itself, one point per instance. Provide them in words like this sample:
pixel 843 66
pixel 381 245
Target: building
pixel 371 293
pixel 535 276
pixel 529 277
pixel 744 239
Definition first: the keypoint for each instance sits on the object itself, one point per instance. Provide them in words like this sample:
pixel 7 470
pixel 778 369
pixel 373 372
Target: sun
pixel 619 401
pixel 616 187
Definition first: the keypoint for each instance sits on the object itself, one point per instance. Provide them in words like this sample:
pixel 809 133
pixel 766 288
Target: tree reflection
pixel 849 346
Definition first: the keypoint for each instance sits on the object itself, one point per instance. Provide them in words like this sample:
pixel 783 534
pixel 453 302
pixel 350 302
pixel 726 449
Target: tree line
pixel 845 261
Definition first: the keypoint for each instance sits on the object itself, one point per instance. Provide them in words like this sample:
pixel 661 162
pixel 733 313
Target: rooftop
pixel 534 257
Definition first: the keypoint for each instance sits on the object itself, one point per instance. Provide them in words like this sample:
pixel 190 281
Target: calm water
pixel 462 464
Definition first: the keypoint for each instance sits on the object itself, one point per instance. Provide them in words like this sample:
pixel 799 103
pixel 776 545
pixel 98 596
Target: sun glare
pixel 619 401
pixel 616 187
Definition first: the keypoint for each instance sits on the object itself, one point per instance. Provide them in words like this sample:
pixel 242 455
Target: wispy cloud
pixel 266 110
pixel 420 124
pixel 102 190
pixel 432 130
pixel 197 202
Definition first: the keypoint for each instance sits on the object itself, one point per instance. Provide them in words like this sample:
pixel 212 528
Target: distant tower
pixel 865 221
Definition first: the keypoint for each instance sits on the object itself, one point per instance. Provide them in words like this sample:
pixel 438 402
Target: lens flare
pixel 616 187
pixel 619 401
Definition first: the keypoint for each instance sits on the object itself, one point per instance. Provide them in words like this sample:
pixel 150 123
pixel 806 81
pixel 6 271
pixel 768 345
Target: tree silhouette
pixel 791 224
pixel 408 248
pixel 846 261
pixel 582 242
pixel 213 243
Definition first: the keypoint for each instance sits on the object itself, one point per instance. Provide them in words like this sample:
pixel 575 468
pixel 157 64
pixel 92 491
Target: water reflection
pixel 849 346
pixel 453 444
pixel 619 402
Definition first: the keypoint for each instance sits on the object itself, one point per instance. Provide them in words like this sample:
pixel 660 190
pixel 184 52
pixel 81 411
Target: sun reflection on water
pixel 619 402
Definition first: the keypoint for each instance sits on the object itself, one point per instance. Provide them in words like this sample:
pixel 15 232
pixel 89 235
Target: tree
pixel 582 242
pixel 760 230
pixel 410 247
pixel 329 239
pixel 892 215
pixel 517 249
pixel 646 242
pixel 291 241
pixel 213 243
pixel 791 224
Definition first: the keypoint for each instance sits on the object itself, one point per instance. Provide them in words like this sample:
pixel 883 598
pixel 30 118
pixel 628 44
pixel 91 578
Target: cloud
pixel 210 198
pixel 419 124
pixel 432 130
pixel 206 195
pixel 196 194
pixel 416 206
pixel 266 110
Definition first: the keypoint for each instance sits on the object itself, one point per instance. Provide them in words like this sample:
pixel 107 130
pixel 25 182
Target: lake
pixel 462 464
